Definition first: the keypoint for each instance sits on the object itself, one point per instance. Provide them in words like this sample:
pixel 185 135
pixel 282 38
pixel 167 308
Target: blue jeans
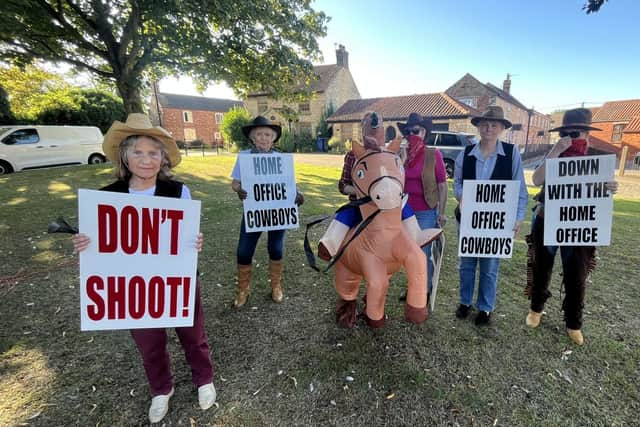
pixel 248 241
pixel 488 283
pixel 428 219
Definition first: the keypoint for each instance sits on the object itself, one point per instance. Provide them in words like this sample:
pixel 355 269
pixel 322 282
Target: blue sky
pixel 558 56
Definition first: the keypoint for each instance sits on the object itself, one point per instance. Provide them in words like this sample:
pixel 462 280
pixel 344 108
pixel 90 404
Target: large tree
pixel 251 44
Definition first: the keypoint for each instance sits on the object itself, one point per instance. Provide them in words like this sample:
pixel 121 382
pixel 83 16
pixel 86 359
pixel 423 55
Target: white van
pixel 29 147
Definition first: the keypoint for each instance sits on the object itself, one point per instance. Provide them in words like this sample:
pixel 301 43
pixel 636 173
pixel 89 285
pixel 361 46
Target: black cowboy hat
pixel 493 113
pixel 413 120
pixel 262 122
pixel 578 118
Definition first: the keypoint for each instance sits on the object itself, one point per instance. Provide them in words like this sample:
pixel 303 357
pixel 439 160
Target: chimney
pixel 342 57
pixel 506 84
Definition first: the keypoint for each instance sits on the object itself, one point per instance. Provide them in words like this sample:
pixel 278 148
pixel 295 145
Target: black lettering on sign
pixel 577 213
pixel 490 193
pixel 579 167
pixel 267 165
pixel 577 235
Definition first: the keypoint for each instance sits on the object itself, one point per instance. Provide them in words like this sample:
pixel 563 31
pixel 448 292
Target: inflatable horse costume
pixel 383 242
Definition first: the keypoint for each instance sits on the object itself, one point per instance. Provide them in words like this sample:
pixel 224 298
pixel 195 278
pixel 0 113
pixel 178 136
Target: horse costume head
pixel 378 171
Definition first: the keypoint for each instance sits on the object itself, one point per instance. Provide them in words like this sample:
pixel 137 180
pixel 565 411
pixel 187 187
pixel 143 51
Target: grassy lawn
pixel 287 364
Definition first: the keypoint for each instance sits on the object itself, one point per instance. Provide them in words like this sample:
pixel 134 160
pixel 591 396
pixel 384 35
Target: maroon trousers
pixel 152 344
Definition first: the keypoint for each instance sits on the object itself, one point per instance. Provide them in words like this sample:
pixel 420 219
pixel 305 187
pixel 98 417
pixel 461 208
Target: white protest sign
pixel 489 210
pixel 139 270
pixel 578 206
pixel 269 180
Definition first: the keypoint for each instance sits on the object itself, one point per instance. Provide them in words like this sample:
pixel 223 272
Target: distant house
pixel 190 118
pixel 620 124
pixel 333 86
pixel 446 113
pixel 529 126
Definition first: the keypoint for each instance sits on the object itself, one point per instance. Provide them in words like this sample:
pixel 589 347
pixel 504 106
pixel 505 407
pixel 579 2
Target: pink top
pixel 413 180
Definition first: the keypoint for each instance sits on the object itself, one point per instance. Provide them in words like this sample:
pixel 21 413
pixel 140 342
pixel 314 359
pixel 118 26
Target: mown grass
pixel 287 364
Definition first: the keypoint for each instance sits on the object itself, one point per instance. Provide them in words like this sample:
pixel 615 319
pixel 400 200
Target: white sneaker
pixel 206 396
pixel 159 407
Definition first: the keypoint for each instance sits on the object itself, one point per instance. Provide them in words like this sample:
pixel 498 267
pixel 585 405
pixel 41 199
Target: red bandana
pixel 578 148
pixel 416 148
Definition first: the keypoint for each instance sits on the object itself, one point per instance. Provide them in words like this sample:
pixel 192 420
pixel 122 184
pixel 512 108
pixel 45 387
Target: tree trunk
pixel 129 90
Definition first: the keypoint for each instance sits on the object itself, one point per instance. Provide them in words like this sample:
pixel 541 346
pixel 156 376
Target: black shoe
pixel 403 296
pixel 463 311
pixel 483 318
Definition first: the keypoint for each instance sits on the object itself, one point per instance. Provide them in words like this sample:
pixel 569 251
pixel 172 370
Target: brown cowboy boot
pixel 275 274
pixel 244 277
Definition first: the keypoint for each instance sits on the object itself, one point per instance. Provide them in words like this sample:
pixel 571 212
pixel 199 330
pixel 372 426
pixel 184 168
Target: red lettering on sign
pixel 95 311
pixel 107 228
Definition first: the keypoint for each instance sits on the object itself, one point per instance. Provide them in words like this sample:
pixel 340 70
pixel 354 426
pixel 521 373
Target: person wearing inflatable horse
pixel 143 156
pixel 373 135
pixel 263 135
pixel 577 261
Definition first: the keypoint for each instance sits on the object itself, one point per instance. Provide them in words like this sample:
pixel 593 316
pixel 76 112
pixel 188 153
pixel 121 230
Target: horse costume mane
pixel 384 245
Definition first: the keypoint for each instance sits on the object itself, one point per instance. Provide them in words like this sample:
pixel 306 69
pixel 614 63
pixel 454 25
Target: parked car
pixel 30 147
pixel 450 145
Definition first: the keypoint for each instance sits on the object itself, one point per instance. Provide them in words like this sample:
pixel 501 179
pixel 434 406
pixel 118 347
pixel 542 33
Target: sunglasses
pixel 575 134
pixel 415 131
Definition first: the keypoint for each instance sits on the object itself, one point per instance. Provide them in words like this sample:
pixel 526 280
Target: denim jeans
pixel 248 241
pixel 427 219
pixel 488 282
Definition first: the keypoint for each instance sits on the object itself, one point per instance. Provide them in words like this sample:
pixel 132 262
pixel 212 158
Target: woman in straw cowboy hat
pixel 263 135
pixel 577 261
pixel 143 156
pixel 488 159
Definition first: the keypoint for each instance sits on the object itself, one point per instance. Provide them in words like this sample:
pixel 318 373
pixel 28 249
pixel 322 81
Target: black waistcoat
pixel 503 169
pixel 163 188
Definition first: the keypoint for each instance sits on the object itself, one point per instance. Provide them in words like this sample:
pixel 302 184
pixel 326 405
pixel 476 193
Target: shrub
pixel 336 145
pixel 286 143
pixel 305 142
pixel 231 128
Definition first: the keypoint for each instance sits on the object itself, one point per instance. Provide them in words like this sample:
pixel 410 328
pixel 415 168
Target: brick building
pixel 446 113
pixel 333 86
pixel 530 127
pixel 620 124
pixel 190 118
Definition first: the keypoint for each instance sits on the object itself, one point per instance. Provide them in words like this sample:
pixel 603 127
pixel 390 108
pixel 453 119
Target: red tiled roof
pixel 633 126
pixel 602 145
pixel 614 111
pixel 435 105
pixel 325 75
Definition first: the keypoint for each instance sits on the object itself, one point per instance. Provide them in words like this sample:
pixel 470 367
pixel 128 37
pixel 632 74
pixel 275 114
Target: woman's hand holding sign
pixel 80 242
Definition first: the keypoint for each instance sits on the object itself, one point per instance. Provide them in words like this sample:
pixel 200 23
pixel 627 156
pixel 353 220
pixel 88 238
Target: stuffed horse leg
pixel 375 274
pixel 347 287
pixel 415 264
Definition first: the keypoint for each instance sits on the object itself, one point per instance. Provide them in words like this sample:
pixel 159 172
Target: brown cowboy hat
pixel 260 122
pixel 415 119
pixel 140 125
pixel 578 118
pixel 493 113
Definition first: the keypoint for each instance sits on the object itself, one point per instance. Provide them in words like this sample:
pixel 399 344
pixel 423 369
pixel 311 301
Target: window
pixel 187 116
pixel 217 136
pixel 431 139
pixel 189 134
pixel 517 126
pixel 617 132
pixel 471 102
pixel 347 131
pixel 219 118
pixel 448 140
pixel 22 136
pixel 540 133
pixel 263 106
pixel 304 108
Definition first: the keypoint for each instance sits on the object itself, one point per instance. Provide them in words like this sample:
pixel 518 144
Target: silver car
pixel 450 145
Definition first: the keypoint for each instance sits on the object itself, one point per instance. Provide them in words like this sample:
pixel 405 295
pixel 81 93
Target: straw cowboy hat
pixel 140 125
pixel 259 122
pixel 578 118
pixel 493 113
pixel 415 119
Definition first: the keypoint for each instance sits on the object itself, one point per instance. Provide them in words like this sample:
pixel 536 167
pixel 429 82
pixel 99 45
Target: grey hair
pixel 122 165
